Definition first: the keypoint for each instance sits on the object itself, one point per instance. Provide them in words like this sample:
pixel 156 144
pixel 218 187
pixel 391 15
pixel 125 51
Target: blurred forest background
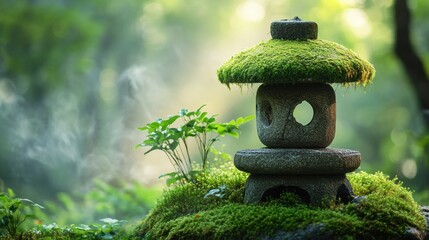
pixel 78 77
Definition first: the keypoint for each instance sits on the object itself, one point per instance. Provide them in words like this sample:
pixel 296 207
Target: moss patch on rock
pixel 291 61
pixel 387 210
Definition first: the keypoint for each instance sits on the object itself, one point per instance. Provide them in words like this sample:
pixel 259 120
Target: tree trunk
pixel 411 62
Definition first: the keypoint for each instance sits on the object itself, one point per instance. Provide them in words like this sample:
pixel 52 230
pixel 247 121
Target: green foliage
pixel 174 141
pixel 422 144
pixel 42 45
pixel 120 201
pixel 386 210
pixel 289 61
pixel 220 157
pixel 61 63
pixel 125 201
pixel 14 212
pixel 46 32
pixel 174 34
pixel 109 229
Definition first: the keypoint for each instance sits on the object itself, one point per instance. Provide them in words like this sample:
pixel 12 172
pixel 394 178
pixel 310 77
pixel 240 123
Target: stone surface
pixel 414 234
pixel 312 231
pixel 297 161
pixel 425 211
pixel 312 189
pixel 276 125
pixel 293 29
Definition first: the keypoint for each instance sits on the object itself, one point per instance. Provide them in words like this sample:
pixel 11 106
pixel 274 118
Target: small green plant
pixel 109 229
pixel 14 212
pixel 216 192
pixel 175 141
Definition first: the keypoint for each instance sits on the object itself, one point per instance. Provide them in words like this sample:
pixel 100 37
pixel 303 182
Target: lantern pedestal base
pixel 315 175
pixel 312 189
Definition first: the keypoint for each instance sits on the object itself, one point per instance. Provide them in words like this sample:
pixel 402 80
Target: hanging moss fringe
pixel 290 61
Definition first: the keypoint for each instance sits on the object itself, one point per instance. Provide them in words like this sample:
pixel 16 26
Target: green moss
pixel 184 213
pixel 389 207
pixel 189 199
pixel 288 61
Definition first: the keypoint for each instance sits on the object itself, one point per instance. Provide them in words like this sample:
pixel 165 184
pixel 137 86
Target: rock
pixel 425 211
pixel 414 234
pixel 312 231
pixel 358 199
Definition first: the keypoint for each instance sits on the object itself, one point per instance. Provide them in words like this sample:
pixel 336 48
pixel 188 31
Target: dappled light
pixel 251 11
pixel 409 168
pixel 358 21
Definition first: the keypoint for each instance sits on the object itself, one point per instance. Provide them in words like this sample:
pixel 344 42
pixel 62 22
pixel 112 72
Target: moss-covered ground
pixel 289 61
pixel 189 212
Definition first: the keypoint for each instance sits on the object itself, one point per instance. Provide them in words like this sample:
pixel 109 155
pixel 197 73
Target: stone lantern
pixel 294 67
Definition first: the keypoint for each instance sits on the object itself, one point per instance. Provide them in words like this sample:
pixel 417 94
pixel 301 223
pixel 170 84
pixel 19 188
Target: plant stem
pixel 187 153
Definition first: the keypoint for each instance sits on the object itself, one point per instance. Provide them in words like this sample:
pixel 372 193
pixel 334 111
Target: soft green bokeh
pixel 78 77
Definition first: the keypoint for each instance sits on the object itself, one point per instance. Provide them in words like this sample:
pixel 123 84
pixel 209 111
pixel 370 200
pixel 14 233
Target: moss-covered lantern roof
pixel 294 55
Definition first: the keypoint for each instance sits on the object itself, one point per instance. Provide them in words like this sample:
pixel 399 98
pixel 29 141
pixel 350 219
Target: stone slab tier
pixel 274 161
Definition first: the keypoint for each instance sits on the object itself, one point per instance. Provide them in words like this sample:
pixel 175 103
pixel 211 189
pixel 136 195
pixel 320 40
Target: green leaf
pixel 194 173
pixel 199 129
pixel 231 128
pixel 175 134
pixel 244 120
pixel 220 129
pixel 173 145
pixel 171 174
pixel 191 123
pixel 109 220
pixel 190 114
pixel 199 109
pixel 149 142
pixel 183 112
pixel 211 120
pixel 152 149
pixel 202 116
pixel 233 134
pixel 28 201
pixel 232 123
pixel 169 121
pixel 10 193
pixel 173 178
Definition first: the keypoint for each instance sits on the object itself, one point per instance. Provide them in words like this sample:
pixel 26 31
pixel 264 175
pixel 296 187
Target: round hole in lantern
pixel 303 113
